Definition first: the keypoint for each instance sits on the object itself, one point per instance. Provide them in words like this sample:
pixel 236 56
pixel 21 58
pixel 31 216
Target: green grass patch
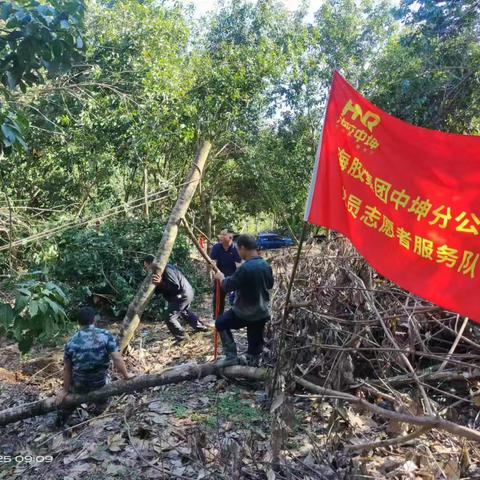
pixel 231 407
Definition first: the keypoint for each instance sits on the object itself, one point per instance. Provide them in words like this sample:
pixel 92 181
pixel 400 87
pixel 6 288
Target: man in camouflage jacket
pixel 86 360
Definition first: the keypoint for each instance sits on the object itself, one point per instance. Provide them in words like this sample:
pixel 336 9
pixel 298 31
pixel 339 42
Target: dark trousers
pixel 177 310
pixel 223 295
pixel 64 413
pixel 229 321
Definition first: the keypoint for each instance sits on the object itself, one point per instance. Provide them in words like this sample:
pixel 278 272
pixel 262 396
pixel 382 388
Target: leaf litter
pixel 218 429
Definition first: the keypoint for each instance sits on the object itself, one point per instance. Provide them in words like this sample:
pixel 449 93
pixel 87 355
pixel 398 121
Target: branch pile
pixel 350 330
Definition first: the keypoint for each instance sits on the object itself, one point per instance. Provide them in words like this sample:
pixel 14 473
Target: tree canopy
pixel 37 41
pixel 104 103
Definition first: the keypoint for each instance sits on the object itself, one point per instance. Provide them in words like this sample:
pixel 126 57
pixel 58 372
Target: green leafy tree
pixel 244 52
pixel 38 314
pixel 433 66
pixel 118 118
pixel 346 35
pixel 36 40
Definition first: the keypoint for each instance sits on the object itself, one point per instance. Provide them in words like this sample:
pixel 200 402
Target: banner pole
pixel 294 270
pixel 316 165
pixel 286 308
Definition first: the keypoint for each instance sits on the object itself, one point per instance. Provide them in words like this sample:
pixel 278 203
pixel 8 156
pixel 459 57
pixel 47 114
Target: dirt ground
pixel 212 428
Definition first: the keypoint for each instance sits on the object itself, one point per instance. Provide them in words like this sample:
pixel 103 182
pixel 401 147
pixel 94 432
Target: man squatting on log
pixel 251 308
pixel 86 360
pixel 179 294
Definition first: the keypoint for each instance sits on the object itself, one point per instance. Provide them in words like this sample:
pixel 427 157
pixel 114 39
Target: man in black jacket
pixel 178 293
pixel 251 308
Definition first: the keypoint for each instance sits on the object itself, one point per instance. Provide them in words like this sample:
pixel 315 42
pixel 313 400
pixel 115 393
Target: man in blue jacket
pixel 226 258
pixel 251 309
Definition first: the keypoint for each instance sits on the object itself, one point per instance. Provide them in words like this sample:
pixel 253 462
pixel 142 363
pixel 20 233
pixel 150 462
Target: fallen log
pixel 193 371
pixel 145 292
pixel 422 420
pixel 182 373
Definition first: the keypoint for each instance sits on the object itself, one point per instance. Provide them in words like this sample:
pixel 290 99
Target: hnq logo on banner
pixel 407 197
pixel 367 119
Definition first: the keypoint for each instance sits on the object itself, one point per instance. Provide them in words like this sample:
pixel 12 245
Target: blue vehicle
pixel 266 241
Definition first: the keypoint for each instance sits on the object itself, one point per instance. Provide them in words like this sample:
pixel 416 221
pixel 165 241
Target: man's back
pixel 173 284
pixel 251 283
pixel 89 351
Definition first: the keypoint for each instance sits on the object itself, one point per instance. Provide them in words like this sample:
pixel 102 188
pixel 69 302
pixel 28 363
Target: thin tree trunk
pixel 209 261
pixel 145 190
pixel 145 292
pixel 208 221
pixel 194 371
pixel 10 231
pixel 129 187
pixel 206 214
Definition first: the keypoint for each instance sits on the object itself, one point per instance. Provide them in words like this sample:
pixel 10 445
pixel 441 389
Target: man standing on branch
pixel 251 309
pixel 227 260
pixel 179 294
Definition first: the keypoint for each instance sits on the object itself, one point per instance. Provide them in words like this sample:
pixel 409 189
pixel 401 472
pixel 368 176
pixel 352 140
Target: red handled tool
pixel 217 314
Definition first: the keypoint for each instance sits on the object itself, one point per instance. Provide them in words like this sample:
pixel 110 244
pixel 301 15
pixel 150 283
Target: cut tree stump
pixel 145 292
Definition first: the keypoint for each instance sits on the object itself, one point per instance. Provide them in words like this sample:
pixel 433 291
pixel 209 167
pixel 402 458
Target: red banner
pixel 407 197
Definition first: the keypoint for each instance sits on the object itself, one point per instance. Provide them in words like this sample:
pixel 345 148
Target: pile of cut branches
pixel 351 332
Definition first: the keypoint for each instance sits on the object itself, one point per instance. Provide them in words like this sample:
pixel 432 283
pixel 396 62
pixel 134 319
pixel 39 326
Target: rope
pixel 105 214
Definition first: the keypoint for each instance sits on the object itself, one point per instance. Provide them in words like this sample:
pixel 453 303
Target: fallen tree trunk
pixel 430 377
pixel 190 371
pixel 193 371
pixel 423 420
pixel 145 292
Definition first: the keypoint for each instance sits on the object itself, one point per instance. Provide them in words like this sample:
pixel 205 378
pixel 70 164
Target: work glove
pixel 219 276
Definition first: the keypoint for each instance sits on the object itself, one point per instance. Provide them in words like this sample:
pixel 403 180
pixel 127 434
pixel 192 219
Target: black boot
pixel 194 321
pixel 229 348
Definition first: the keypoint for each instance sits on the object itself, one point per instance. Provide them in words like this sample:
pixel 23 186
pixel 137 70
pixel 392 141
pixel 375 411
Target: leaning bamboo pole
pixel 145 292
pixel 201 251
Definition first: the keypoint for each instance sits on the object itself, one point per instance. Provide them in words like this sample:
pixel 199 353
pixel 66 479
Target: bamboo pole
pixel 202 252
pixel 145 292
